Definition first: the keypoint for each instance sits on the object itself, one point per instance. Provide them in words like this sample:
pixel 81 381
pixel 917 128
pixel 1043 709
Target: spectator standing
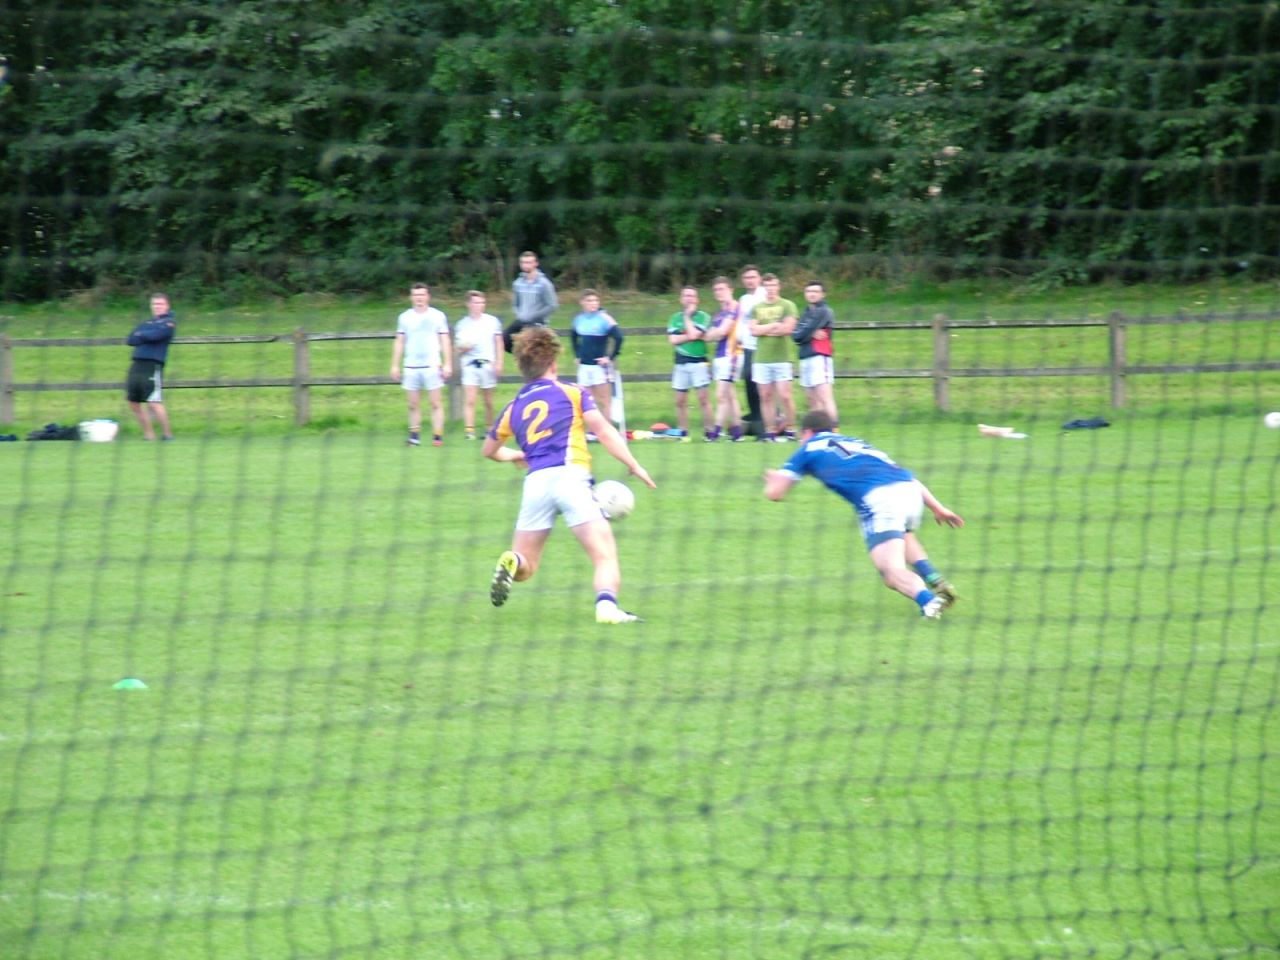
pixel 727 363
pixel 686 331
pixel 597 341
pixel 143 385
pixel 813 335
pixel 478 339
pixel 422 345
pixel 533 298
pixel 752 294
pixel 773 320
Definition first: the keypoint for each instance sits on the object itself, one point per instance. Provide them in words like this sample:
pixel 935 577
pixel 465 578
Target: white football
pixel 615 499
pixel 1272 419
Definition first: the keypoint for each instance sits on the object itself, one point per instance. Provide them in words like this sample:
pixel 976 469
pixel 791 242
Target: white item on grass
pixel 98 431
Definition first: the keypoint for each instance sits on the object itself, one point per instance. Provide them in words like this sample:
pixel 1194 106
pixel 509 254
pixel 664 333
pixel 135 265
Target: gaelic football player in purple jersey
pixel 549 420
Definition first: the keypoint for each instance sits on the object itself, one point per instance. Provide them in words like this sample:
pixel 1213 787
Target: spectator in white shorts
pixel 813 334
pixel 686 331
pixel 422 345
pixel 478 339
pixel 726 366
pixel 773 320
pixel 597 340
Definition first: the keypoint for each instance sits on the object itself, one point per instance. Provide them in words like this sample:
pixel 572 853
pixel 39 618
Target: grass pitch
pixel 345 751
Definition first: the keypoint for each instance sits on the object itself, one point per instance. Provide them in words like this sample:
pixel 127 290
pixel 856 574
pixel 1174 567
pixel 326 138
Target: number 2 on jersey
pixel 535 413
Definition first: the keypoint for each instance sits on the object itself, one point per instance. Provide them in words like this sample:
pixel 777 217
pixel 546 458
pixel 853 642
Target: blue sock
pixel 926 570
pixel 606 596
pixel 923 597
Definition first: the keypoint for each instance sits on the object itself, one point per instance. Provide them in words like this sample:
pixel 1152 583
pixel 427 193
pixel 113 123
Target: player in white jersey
pixel 422 359
pixel 478 338
pixel 889 501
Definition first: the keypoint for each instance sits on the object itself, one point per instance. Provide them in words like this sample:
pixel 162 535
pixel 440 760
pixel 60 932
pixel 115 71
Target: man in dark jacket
pixel 813 335
pixel 150 341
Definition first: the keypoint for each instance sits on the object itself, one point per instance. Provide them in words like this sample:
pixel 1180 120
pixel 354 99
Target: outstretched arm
pixel 617 447
pixel 777 484
pixel 940 513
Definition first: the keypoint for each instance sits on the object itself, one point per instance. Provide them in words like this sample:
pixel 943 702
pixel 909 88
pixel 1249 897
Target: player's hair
pixel 722 279
pixel 472 294
pixel 160 295
pixel 769 276
pixel 419 286
pixel 819 421
pixel 536 349
pixel 589 292
pixel 815 283
pixel 748 268
pixel 688 286
pixel 527 253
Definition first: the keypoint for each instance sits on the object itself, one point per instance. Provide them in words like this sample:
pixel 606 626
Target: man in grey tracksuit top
pixel 533 298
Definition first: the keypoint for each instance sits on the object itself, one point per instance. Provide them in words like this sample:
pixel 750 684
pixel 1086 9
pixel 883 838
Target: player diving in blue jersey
pixel 888 498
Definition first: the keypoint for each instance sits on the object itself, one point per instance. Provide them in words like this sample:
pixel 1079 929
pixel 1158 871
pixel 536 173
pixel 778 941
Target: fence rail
pixel 940 370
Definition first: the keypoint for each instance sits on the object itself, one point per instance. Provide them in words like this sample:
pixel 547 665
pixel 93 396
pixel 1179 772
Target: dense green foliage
pixel 342 146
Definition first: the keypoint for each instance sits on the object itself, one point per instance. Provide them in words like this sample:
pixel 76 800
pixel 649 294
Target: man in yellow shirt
pixel 772 320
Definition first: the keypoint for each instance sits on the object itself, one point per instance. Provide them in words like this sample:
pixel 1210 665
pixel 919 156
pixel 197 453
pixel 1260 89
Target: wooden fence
pixel 940 370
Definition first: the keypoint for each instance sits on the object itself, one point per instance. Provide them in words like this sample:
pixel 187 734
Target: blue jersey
pixel 591 335
pixel 150 339
pixel 847 466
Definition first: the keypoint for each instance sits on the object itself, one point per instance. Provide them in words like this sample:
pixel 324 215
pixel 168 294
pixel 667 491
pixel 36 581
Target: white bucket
pixel 98 431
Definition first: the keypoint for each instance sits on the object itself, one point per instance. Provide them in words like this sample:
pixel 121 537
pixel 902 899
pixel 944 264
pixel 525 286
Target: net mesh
pixel 255 698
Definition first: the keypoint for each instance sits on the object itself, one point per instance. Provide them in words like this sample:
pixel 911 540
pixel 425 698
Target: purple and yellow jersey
pixel 728 321
pixel 546 420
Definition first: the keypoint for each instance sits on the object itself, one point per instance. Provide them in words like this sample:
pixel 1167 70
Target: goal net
pixel 255 697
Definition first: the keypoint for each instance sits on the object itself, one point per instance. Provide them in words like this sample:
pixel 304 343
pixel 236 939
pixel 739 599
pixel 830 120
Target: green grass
pixel 269 410
pixel 345 751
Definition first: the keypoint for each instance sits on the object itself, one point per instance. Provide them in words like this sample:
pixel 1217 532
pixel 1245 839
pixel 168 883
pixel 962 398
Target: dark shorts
pixel 143 382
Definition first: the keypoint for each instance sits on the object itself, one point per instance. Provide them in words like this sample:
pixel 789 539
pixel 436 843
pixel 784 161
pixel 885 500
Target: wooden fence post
pixel 301 376
pixel 941 363
pixel 1119 357
pixel 6 379
pixel 454 386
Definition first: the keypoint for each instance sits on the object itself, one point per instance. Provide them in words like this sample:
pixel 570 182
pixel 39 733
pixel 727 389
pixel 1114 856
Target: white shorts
pixel 421 378
pixel 592 374
pixel 727 368
pixel 890 511
pixel 557 490
pixel 772 372
pixel 815 371
pixel 685 376
pixel 483 376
